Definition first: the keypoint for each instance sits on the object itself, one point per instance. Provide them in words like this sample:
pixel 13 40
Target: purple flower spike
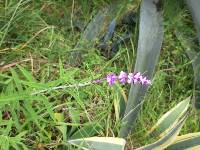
pixel 130 78
pixel 111 78
pixel 138 76
pixel 123 77
pixel 143 80
pixel 149 82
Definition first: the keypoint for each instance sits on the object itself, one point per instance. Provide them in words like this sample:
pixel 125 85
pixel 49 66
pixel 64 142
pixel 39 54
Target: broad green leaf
pixel 148 51
pixel 100 143
pixel 189 141
pixel 166 140
pixel 169 119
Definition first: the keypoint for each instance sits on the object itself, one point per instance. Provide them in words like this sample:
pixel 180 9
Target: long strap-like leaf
pixel 195 58
pixel 194 6
pixel 188 141
pixel 148 51
pixel 99 143
pixel 170 119
pixel 166 140
pixel 89 35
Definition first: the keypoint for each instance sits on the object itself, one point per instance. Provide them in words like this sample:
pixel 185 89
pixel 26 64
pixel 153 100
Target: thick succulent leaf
pixel 110 31
pixel 194 8
pixel 115 45
pixel 97 25
pixel 89 35
pixel 170 119
pixel 104 44
pixel 194 147
pixel 193 55
pixel 189 141
pixel 195 58
pixel 94 27
pixel 148 51
pixel 100 143
pixel 166 140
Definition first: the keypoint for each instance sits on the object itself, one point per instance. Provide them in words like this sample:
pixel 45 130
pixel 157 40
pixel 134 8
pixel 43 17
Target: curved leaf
pixel 194 8
pixel 195 58
pixel 189 141
pixel 148 51
pixel 89 35
pixel 193 55
pixel 97 25
pixel 100 143
pixel 169 119
pixel 166 140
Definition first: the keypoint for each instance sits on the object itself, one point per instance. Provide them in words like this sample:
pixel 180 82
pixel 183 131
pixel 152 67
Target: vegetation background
pixel 37 39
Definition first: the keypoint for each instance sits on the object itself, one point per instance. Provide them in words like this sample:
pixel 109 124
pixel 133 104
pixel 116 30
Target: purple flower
pixel 130 78
pixel 123 77
pixel 148 82
pixel 134 78
pixel 111 78
pixel 138 76
pixel 143 80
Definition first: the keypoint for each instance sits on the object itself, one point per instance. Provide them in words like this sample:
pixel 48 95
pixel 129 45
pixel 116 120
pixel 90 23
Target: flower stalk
pixel 123 78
